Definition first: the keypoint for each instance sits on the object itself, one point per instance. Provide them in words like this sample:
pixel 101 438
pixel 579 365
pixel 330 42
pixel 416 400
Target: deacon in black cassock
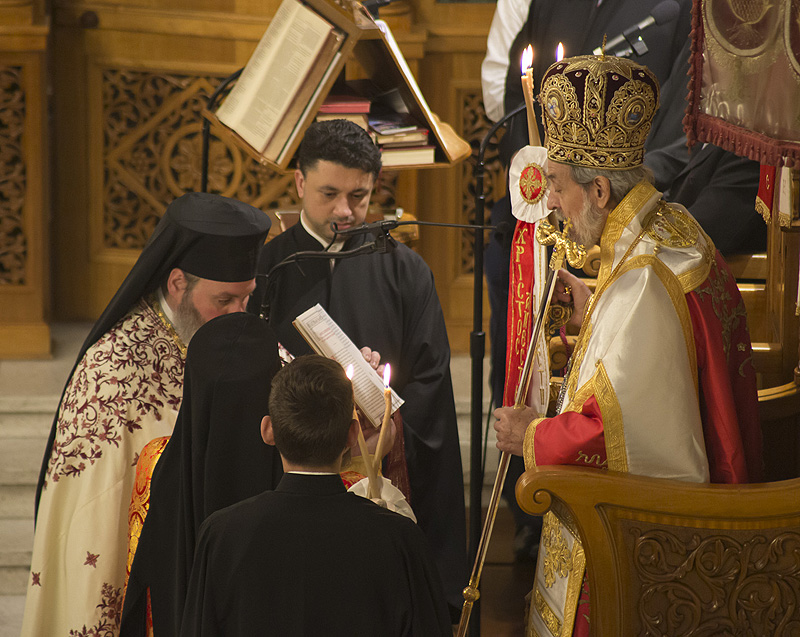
pixel 310 558
pixel 214 458
pixel 384 301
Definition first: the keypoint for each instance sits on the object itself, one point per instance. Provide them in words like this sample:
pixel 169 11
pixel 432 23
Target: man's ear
pixel 600 191
pixel 300 182
pixel 176 286
pixel 267 433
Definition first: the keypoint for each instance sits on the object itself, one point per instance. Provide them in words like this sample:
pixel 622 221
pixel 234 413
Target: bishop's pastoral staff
pixel 125 390
pixel 661 382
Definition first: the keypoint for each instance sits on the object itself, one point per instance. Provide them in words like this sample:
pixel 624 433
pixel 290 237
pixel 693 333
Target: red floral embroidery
pixel 36 578
pixel 91 559
pixel 110 610
pixel 132 372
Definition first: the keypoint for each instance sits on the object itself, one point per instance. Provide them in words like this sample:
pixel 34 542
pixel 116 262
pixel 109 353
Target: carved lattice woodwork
pixel 710 582
pixel 474 127
pixel 152 129
pixel 13 243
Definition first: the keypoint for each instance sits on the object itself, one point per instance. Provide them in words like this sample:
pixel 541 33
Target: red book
pixel 345 104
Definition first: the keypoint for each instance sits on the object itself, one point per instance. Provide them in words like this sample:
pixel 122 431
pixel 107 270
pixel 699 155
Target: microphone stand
pixel 212 101
pixel 477 349
pixel 382 243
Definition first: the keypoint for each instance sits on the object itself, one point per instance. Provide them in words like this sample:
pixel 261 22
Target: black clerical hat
pixel 207 235
pixel 227 235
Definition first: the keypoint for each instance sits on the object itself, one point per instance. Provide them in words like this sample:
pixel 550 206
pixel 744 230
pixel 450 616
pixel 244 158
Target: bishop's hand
pixel 571 290
pixel 511 426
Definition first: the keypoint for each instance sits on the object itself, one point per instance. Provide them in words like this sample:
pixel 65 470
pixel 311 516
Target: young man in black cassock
pixel 384 301
pixel 309 558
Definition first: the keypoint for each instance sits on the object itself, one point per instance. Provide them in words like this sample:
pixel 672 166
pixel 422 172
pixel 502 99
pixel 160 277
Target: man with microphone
pixel 385 301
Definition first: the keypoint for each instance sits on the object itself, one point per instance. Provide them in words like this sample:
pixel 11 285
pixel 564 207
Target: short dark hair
pixel 311 406
pixel 339 141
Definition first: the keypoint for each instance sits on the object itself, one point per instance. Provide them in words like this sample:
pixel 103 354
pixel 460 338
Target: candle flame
pixel 527 58
pixel 559 52
pixel 387 374
pixel 349 371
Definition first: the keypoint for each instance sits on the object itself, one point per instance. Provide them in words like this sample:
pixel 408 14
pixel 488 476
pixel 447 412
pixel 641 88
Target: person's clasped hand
pixel 511 426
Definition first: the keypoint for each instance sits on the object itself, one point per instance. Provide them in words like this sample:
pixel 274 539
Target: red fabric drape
pixel 745 78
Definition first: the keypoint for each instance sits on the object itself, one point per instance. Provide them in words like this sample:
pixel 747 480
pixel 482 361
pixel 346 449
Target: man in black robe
pixel 384 301
pixel 310 558
pixel 214 458
pixel 720 189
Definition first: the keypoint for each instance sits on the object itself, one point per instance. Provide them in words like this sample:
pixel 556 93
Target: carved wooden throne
pixel 673 558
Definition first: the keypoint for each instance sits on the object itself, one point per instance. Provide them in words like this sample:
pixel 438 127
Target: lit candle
pixel 387 415
pixel 374 489
pixel 559 52
pixel 527 92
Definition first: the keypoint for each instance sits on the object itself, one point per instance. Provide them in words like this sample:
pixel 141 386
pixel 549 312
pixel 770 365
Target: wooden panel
pixel 24 203
pixel 130 81
pixel 451 82
pixel 676 558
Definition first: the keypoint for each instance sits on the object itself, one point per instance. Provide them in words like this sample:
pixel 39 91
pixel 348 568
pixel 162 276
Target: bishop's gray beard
pixel 587 228
pixel 187 318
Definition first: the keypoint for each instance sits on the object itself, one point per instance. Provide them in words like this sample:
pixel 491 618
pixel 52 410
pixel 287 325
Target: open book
pixel 327 339
pixel 297 51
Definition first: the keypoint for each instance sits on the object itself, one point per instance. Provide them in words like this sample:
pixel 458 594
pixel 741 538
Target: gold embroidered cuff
pixel 528 452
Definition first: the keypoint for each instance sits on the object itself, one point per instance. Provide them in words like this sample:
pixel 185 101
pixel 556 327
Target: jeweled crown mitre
pixel 597 111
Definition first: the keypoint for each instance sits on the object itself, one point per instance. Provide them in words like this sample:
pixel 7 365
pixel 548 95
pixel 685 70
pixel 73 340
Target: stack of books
pixel 401 140
pixel 343 106
pixel 405 147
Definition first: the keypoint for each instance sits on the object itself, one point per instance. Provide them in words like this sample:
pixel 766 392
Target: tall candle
pixel 387 414
pixel 374 488
pixel 527 92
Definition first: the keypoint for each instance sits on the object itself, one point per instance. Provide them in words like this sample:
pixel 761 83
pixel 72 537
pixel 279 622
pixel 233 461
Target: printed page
pixel 280 69
pixel 328 339
pixel 235 106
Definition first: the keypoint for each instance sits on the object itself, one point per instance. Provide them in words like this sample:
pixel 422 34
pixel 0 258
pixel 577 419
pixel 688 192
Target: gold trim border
pixel 528 449
pixel 618 220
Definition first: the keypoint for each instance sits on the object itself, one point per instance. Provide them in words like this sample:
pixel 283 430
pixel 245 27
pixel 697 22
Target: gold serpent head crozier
pixel 563 246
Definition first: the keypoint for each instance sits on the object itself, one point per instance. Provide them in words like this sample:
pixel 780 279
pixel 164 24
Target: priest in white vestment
pixel 661 382
pixel 125 390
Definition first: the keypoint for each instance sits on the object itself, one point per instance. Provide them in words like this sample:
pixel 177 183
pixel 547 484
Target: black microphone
pixel 367 228
pixel 630 40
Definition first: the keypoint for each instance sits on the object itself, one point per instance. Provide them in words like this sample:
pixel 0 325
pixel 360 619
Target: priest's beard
pixel 587 226
pixel 187 318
